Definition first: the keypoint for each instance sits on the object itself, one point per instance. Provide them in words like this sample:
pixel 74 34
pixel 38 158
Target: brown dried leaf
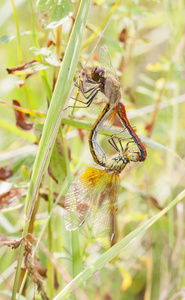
pixel 81 134
pixel 5 173
pixel 28 68
pixel 36 272
pixel 123 35
pixel 21 114
pixel 50 43
pixel 6 241
pixel 149 127
pixel 40 269
pixel 14 244
pixel 56 284
pixel 8 197
pixel 20 118
pixel 52 175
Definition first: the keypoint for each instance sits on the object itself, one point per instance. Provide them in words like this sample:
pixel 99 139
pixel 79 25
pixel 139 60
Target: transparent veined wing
pixel 80 196
pixel 105 61
pixel 104 211
pixel 106 119
pixel 104 123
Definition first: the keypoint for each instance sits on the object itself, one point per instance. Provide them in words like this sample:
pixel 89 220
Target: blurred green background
pixel 146 41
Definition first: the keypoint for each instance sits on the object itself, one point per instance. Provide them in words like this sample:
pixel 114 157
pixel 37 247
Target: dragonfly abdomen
pixel 123 117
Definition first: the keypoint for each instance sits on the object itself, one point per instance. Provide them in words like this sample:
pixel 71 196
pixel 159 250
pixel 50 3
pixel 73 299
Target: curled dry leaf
pixel 123 35
pixel 20 118
pixel 56 283
pixel 50 43
pixel 35 271
pixel 8 197
pixel 28 68
pixel 5 173
pixel 7 241
pixel 14 244
pixel 52 175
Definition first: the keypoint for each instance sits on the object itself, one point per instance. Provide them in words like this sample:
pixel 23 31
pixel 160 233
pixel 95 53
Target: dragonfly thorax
pixel 112 90
pixel 117 164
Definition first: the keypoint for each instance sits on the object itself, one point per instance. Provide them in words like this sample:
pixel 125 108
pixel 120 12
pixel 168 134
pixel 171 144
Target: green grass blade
pixel 52 123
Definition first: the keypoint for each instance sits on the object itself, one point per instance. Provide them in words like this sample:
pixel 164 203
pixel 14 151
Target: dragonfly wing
pixel 106 118
pixel 80 196
pixel 105 61
pixel 104 211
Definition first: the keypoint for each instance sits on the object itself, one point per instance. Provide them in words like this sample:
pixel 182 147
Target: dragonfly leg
pixel 82 90
pixel 127 145
pixel 88 103
pixel 92 91
pixel 113 143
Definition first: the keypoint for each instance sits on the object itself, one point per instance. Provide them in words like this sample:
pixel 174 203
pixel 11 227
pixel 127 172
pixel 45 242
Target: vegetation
pixel 44 47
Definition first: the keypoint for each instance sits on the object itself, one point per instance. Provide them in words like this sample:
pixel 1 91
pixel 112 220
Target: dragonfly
pixel 107 116
pixel 108 85
pixel 94 191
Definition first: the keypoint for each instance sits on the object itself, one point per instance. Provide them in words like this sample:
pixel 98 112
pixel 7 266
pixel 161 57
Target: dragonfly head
pixel 133 155
pixel 97 73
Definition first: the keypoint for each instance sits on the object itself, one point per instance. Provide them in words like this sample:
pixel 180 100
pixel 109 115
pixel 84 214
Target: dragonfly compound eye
pixel 133 155
pixel 97 73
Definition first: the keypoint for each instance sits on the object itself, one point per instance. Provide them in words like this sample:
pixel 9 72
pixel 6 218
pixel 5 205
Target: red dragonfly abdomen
pixel 123 117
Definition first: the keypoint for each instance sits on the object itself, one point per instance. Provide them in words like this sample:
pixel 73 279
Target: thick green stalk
pixel 60 95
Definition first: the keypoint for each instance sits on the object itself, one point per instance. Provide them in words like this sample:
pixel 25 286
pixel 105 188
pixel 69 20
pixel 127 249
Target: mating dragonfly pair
pixel 95 189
